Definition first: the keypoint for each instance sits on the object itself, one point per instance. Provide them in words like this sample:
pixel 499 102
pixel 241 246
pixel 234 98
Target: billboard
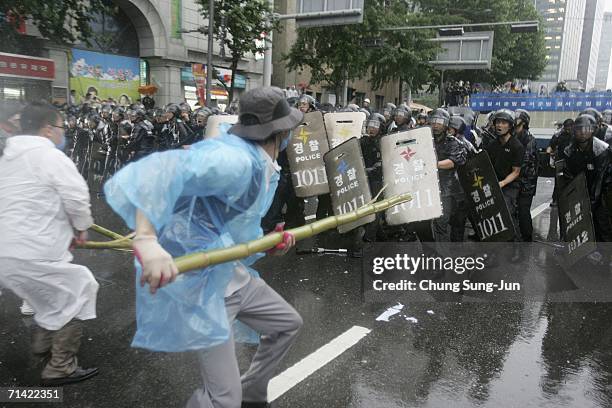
pixel 563 101
pixel 107 75
pixel 468 51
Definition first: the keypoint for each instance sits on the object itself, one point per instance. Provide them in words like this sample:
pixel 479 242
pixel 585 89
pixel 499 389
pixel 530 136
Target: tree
pixel 515 55
pixel 335 54
pixel 238 25
pixel 65 21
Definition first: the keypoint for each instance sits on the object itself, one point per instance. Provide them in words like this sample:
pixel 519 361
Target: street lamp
pixel 451 32
pixel 531 27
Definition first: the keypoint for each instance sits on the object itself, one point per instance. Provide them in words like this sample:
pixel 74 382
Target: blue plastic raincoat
pixel 210 196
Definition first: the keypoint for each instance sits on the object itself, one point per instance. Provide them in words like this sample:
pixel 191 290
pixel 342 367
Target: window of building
pixel 380 101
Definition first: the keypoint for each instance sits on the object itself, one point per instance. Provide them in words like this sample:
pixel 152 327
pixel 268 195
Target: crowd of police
pixel 582 145
pixel 101 138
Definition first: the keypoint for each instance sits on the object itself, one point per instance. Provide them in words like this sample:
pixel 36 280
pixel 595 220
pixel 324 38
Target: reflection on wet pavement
pixel 538 354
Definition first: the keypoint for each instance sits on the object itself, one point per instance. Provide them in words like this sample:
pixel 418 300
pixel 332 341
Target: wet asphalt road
pixel 534 354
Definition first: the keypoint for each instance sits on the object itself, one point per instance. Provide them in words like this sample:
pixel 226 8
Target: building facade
pixel 602 76
pixel 563 26
pixel 142 32
pixel 357 90
pixel 591 36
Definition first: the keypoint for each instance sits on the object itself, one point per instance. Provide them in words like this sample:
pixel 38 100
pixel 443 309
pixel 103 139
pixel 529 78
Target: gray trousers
pixel 258 306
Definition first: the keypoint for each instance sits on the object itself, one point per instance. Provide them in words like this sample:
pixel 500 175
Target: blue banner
pixel 567 101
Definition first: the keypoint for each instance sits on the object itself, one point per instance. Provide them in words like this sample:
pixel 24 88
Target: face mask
pixel 62 144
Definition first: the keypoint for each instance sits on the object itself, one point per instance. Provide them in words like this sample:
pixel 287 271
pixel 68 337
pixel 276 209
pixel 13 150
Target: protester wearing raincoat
pixel 212 195
pixel 44 203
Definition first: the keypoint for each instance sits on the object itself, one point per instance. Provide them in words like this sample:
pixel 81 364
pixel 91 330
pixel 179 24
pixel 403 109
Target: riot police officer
pixel 528 179
pixel 457 128
pixel 175 133
pixel 593 157
pixel 603 131
pixel 507 155
pixel 306 103
pixel 142 140
pixel 201 119
pixel 607 117
pixel 402 117
pixel 451 154
pixel 421 119
pixel 388 113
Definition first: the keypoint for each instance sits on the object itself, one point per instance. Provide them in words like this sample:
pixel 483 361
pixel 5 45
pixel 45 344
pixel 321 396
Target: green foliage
pixel 335 53
pixel 237 26
pixel 515 55
pixel 62 21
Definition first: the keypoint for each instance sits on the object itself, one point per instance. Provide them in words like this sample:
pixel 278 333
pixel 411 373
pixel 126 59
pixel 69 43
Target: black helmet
pixel 376 120
pixel 439 116
pixel 118 114
pixel 504 114
pixel 125 128
pixel 457 123
pixel 139 115
pixel 185 107
pixel 586 122
pixel 521 116
pixel 107 108
pixel 93 119
pixel 607 116
pixel 594 113
pixel 422 115
pixel 308 99
pixel 201 115
pixel 403 112
pixel 389 108
pixel 174 109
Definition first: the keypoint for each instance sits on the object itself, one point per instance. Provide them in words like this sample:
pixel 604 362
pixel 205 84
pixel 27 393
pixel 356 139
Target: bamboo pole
pixel 106 232
pixel 201 260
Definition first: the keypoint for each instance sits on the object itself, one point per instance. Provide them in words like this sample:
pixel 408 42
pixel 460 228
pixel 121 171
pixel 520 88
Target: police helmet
pixel 594 113
pixel 376 120
pixel 506 115
pixel 585 122
pixel 521 116
pixel 305 98
pixel 440 116
pixel 118 114
pixel 607 116
pixel 457 123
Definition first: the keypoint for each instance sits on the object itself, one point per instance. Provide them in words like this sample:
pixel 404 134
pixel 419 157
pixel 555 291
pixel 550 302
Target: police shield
pixel 576 220
pixel 410 166
pixel 348 181
pixel 214 122
pixel 305 153
pixel 341 126
pixel 487 208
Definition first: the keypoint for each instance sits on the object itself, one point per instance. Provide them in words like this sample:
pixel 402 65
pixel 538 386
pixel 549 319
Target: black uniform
pixel 142 140
pixel 596 163
pixel 528 182
pixel 448 148
pixel 504 158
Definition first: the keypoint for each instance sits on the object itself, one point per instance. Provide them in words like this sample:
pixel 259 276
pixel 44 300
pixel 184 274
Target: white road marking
pixel 539 209
pixel 311 363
